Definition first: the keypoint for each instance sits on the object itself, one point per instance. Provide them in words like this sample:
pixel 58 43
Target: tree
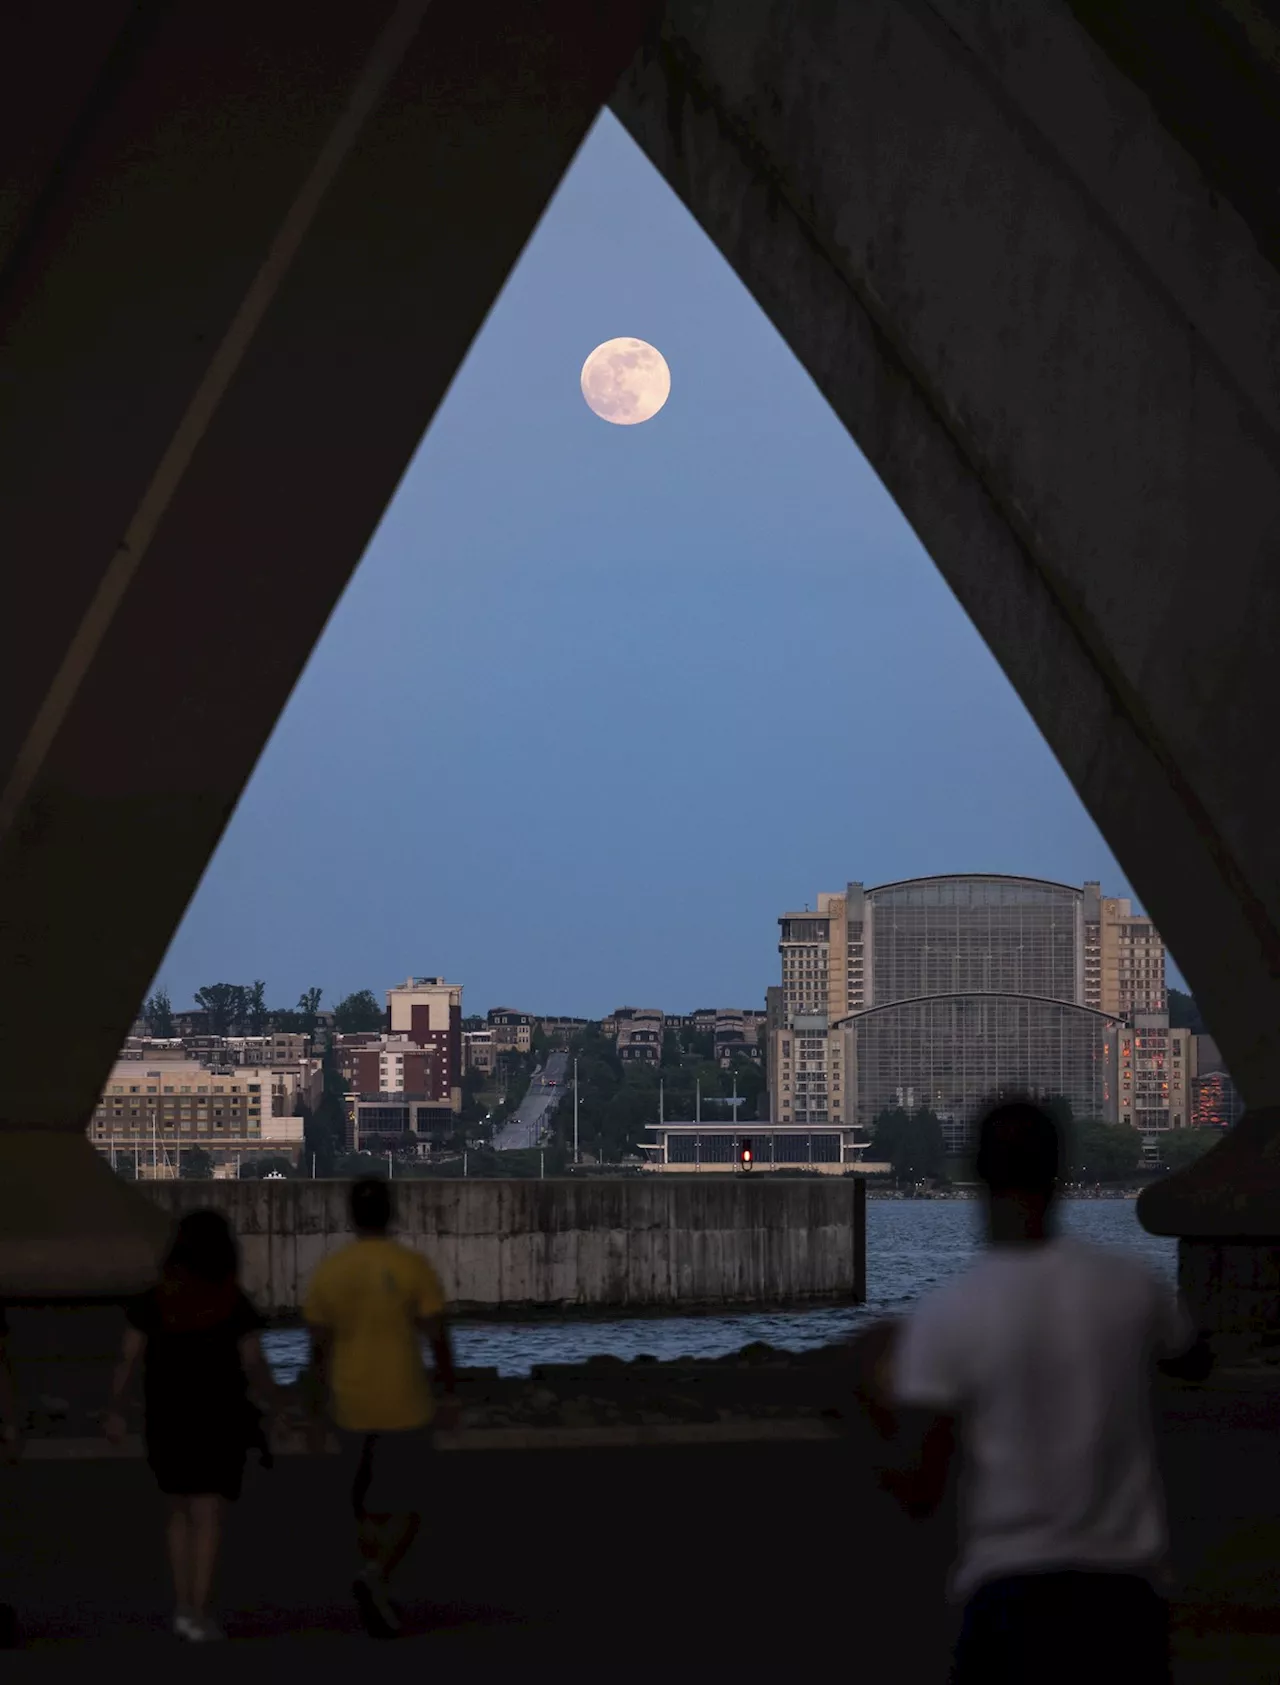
pixel 309 1009
pixel 751 1084
pixel 912 1142
pixel 158 1012
pixel 1102 1152
pixel 671 1051
pixel 358 1013
pixel 224 1005
pixel 1182 1147
pixel 255 1007
pixel 254 1169
pixel 352 1166
pixel 1184 1014
pixel 325 1129
pixel 197 1164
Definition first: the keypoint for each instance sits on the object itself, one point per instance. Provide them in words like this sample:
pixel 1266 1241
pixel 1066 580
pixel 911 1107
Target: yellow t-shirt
pixel 370 1295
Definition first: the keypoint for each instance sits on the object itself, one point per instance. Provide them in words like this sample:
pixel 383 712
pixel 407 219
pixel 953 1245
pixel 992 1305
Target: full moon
pixel 625 381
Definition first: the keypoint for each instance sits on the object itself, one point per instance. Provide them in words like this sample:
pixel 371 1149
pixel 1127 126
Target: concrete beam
pixel 1055 337
pixel 229 310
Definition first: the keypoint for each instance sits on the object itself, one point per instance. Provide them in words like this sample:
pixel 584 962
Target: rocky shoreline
pixel 760 1391
pixel 760 1383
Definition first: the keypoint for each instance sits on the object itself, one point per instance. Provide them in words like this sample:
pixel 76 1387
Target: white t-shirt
pixel 1045 1354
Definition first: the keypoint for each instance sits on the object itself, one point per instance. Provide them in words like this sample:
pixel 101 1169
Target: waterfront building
pixel 1155 1071
pixel 687 1147
pixel 1216 1102
pixel 159 1110
pixel 947 989
pixel 1124 957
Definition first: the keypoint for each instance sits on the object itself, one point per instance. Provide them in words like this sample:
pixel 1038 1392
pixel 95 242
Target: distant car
pixel 274 1176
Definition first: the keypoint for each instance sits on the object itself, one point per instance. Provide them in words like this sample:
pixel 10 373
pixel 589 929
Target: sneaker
pixel 377 1611
pixel 197 1629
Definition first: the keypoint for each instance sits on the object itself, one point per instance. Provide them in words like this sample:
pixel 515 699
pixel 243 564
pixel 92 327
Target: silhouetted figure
pixel 368 1308
pixel 1037 1362
pixel 198 1338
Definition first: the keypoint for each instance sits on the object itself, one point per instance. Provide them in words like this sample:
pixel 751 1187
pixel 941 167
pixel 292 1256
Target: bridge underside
pixel 1028 253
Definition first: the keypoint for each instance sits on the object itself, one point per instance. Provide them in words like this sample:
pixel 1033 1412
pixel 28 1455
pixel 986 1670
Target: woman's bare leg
pixel 206 1534
pixel 178 1535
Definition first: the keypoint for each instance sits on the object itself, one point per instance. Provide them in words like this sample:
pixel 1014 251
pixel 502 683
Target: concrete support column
pixel 1225 1211
pixel 243 250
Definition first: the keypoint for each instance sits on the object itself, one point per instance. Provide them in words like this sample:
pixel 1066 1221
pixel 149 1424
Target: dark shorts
pixel 1038 1629
pixel 389 1471
pixel 191 1467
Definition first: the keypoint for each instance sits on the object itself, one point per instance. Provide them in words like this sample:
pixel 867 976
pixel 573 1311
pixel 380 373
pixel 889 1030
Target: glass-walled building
pixel 936 992
pixel 975 935
pixel 950 1053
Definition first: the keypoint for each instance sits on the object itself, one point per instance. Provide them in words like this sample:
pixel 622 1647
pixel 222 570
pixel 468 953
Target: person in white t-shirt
pixel 1036 1365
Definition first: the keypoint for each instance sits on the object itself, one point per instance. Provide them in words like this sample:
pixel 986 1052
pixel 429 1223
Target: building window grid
pixel 952 1054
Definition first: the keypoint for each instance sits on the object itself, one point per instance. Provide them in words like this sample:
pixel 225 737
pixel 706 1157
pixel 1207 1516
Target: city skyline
pixel 538 1008
pixel 571 736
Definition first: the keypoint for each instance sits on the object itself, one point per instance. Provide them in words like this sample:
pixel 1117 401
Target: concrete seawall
pixel 521 1245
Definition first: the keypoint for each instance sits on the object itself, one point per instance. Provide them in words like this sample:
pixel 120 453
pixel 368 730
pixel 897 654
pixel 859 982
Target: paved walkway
pixel 758 1560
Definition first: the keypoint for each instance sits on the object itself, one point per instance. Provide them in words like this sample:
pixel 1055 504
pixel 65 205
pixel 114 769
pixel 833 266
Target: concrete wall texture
pixel 1051 324
pixel 513 1245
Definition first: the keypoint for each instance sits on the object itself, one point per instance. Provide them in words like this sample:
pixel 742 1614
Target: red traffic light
pixel 746 1156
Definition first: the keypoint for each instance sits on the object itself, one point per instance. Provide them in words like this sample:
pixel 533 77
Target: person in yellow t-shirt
pixel 368 1308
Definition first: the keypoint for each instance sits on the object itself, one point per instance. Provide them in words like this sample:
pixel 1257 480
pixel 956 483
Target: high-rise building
pixel 1216 1102
pixel 428 1011
pixel 405 1087
pixel 948 989
pixel 1155 1071
pixel 1124 958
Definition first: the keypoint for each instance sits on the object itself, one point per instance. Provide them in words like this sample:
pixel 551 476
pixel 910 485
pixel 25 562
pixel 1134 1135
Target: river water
pixel 912 1245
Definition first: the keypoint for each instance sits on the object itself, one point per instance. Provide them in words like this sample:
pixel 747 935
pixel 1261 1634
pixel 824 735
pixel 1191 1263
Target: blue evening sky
pixel 601 702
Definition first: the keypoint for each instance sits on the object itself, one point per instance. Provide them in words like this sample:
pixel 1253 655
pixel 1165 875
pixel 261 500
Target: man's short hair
pixel 371 1205
pixel 1018 1148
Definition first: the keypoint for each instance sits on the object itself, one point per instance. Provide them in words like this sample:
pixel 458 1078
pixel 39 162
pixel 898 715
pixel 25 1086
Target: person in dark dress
pixel 197 1336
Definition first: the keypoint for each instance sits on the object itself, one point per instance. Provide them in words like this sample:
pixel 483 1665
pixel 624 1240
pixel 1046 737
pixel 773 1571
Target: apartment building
pixel 1155 1077
pixel 512 1030
pixel 561 1031
pixel 161 1109
pixel 736 1035
pixel 479 1052
pixel 1124 957
pixel 639 1034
